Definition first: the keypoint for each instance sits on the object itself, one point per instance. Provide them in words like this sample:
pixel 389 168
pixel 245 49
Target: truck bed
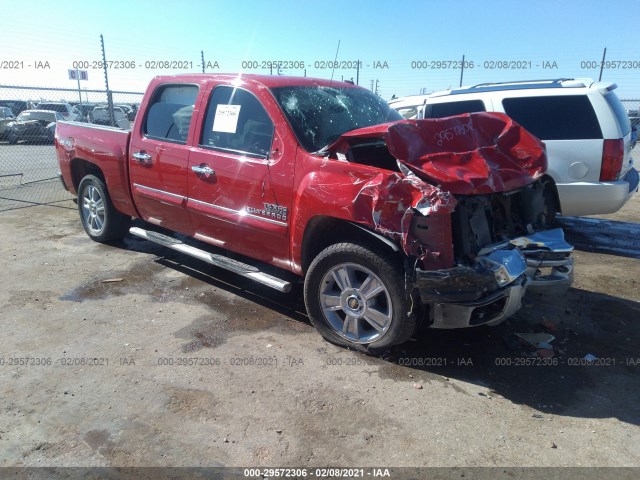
pixel 90 145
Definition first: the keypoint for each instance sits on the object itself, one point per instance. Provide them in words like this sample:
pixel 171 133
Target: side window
pixel 169 114
pixel 569 117
pixel 410 113
pixel 236 121
pixel 439 110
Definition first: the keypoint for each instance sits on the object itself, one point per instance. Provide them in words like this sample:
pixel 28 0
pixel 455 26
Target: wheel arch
pixel 552 189
pixel 323 231
pixel 81 168
pixel 117 184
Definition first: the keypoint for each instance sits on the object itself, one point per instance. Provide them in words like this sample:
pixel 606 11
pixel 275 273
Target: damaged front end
pixel 494 269
pixel 470 204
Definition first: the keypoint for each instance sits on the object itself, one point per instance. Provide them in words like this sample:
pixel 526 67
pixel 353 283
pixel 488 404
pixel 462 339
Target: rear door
pixel 241 176
pixel 159 157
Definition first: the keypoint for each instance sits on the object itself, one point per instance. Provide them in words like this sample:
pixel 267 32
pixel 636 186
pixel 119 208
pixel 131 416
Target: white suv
pixel 65 109
pixel 583 124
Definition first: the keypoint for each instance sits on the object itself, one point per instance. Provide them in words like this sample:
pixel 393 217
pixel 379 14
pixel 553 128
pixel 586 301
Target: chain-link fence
pixel 28 164
pixel 633 110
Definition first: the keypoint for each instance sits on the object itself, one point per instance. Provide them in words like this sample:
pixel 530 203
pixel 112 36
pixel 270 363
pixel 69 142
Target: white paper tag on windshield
pixel 226 119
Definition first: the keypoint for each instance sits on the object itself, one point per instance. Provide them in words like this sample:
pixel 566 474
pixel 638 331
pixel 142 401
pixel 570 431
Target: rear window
pixel 440 110
pixel 569 117
pixel 410 113
pixel 619 112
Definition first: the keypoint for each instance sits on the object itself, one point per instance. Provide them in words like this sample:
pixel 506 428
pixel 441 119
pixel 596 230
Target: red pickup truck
pixel 387 222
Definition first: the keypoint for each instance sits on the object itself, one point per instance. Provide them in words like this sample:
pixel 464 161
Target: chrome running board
pixel 220 261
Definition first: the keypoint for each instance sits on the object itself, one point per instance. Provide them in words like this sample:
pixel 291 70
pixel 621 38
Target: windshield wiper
pixel 323 152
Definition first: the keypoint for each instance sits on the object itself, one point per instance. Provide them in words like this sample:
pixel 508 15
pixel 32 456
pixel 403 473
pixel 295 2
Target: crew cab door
pixel 159 157
pixel 241 175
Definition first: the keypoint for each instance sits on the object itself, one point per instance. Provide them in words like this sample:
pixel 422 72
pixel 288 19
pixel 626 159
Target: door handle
pixel 203 170
pixel 142 157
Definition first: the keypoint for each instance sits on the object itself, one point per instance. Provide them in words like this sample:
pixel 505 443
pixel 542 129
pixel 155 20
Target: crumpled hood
pixel 475 153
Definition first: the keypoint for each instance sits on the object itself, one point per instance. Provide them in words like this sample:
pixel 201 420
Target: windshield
pixel 49 117
pixel 319 115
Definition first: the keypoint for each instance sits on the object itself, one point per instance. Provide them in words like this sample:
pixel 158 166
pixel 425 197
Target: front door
pixel 241 177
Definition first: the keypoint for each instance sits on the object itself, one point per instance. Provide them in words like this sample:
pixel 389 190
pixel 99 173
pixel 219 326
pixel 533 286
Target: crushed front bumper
pixel 491 289
pixel 549 265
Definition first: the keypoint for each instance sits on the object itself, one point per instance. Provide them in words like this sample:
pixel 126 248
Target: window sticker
pixel 226 119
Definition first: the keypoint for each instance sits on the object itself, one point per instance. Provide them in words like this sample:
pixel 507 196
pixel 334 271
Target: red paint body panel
pixel 103 146
pixel 222 206
pixel 469 154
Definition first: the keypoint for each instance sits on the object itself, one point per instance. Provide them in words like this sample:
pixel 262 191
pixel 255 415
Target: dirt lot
pixel 134 356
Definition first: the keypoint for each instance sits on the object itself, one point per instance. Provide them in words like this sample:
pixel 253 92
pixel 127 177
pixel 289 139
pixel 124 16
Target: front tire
pixel 100 219
pixel 356 298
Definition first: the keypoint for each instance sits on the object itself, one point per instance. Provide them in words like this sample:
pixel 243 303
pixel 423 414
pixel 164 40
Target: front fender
pixel 382 201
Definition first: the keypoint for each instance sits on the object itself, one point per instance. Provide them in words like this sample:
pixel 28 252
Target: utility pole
pixel 202 59
pixel 112 118
pixel 462 70
pixel 358 73
pixel 78 79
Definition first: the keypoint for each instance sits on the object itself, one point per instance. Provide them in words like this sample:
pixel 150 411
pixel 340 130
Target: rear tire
pixel 356 298
pixel 100 219
pixel 12 139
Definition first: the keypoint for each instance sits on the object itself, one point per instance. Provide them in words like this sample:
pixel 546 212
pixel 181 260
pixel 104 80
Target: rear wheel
pixel 102 222
pixel 13 139
pixel 356 297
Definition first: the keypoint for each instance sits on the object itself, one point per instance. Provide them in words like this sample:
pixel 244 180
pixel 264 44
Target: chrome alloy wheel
pixel 93 211
pixel 356 303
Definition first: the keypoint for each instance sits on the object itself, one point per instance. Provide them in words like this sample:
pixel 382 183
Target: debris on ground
pixel 535 339
pixel 545 353
pixel 512 342
pixel 112 280
pixel 549 325
pixel 417 386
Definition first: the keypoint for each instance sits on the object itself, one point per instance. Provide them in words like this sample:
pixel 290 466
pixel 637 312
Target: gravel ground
pixel 132 355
